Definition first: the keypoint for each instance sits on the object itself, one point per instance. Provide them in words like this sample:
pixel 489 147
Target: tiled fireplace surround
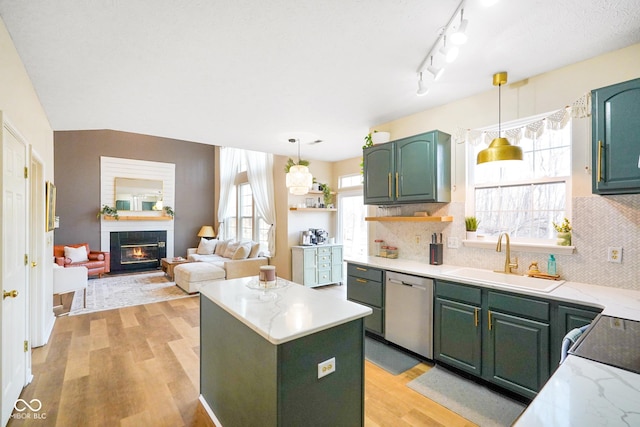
pixel 598 222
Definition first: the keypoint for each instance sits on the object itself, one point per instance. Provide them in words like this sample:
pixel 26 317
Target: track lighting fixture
pixel 459 36
pixel 437 72
pixel 422 87
pixel 450 52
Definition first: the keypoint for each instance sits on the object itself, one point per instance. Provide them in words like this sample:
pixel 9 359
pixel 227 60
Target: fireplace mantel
pixel 138 218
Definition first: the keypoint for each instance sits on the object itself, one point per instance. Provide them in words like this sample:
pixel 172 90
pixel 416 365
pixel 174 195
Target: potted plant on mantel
pixel 471 225
pixel 108 211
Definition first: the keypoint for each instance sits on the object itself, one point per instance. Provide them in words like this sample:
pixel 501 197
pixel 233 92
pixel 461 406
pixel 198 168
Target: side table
pixel 168 264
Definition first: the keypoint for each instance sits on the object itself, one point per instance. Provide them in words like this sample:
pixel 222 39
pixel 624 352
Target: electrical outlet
pixel 614 254
pixel 453 243
pixel 327 367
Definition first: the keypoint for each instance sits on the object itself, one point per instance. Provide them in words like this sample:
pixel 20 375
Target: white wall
pixel 19 104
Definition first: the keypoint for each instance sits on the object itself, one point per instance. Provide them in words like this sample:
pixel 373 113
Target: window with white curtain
pixel 243 220
pixel 525 199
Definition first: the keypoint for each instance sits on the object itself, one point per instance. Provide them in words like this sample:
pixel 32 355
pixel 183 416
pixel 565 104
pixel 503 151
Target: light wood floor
pixel 139 366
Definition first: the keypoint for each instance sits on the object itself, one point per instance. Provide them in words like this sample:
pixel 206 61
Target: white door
pixel 41 303
pixel 14 268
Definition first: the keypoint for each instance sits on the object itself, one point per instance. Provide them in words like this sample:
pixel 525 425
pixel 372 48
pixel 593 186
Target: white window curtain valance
pixel 229 161
pixel 260 176
pixel 532 127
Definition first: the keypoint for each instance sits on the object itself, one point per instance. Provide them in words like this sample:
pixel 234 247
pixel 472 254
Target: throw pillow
pixel 255 249
pixel 76 254
pixel 206 246
pixel 241 253
pixel 221 247
pixel 231 249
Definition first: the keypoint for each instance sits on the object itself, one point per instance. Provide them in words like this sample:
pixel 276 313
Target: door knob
pixel 11 294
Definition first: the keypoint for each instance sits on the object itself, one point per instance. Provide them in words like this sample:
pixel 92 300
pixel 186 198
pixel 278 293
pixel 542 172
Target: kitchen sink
pixel 489 277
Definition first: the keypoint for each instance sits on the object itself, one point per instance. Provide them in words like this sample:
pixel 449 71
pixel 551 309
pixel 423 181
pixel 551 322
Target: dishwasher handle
pixel 401 282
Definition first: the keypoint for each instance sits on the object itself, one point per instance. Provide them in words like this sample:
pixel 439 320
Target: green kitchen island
pixel 289 356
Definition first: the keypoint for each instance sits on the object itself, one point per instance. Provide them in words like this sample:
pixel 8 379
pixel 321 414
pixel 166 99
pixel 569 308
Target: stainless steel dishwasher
pixel 409 312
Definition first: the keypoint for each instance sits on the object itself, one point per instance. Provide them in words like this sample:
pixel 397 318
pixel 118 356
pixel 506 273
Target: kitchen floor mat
pixel 388 358
pixel 467 398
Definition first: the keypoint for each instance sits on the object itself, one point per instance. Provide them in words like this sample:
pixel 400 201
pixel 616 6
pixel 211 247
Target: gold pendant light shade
pixel 499 149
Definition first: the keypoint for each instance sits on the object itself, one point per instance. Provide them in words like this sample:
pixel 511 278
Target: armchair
pixel 97 262
pixel 67 280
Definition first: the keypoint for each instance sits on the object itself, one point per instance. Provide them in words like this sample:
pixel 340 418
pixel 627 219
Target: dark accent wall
pixel 77 179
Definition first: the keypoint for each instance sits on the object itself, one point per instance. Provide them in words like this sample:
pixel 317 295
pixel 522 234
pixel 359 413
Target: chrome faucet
pixel 508 265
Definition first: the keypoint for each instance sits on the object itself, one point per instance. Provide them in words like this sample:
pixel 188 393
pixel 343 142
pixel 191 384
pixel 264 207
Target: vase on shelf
pixel 472 235
pixel 563 238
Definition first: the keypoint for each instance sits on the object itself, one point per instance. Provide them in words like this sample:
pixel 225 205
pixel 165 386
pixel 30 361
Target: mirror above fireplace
pixel 134 194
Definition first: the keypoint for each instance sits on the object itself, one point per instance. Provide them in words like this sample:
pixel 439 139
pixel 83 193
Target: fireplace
pixel 137 250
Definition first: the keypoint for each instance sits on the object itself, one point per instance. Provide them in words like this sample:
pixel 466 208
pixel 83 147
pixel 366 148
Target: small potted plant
pixel 563 233
pixel 471 225
pixel 108 211
pixel 168 210
pixel 326 195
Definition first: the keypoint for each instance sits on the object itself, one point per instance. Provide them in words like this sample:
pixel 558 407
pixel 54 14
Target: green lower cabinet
pixel 458 335
pixel 568 318
pixel 517 353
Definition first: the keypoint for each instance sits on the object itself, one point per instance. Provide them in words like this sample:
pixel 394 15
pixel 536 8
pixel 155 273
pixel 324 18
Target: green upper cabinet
pixel 616 138
pixel 415 169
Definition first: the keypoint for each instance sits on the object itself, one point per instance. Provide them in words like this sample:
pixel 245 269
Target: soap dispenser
pixel 551 265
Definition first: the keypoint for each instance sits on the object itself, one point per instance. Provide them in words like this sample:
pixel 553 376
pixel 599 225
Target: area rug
pixel 388 358
pixel 468 399
pixel 126 290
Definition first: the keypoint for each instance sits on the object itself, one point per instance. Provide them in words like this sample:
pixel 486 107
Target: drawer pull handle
pixel 475 316
pixel 361 280
pixel 489 318
pixel 361 269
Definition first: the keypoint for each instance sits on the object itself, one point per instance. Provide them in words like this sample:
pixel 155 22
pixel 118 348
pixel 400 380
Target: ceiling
pixel 253 74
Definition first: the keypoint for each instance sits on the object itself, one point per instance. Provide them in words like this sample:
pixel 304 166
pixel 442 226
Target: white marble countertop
pixel 615 302
pixel 294 312
pixel 581 392
pixel 585 393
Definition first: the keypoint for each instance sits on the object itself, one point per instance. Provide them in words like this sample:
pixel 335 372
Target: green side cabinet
pixel 616 138
pixel 568 317
pixel 365 285
pixel 457 329
pixel 415 169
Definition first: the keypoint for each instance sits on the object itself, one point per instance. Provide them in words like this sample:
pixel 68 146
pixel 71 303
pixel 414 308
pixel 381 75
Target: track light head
pixel 422 87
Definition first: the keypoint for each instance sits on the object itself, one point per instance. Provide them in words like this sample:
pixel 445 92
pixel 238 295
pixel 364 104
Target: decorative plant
pixel 168 210
pixel 368 142
pixel 291 162
pixel 471 223
pixel 326 194
pixel 565 227
pixel 109 211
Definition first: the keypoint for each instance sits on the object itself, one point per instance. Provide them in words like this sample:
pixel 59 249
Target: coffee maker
pixel 306 238
pixel 322 236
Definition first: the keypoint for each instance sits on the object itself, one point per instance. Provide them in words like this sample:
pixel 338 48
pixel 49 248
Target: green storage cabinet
pixel 457 327
pixel 415 169
pixel 616 138
pixel 568 317
pixel 365 285
pixel 516 354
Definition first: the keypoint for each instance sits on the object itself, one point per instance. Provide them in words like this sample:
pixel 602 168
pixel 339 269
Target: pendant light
pixel 499 149
pixel 298 179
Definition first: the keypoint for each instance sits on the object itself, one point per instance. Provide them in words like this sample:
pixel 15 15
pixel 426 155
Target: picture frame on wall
pixel 51 206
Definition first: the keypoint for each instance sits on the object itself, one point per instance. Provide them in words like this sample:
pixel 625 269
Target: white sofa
pixel 237 259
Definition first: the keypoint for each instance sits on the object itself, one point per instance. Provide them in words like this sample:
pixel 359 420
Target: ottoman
pixel 192 275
